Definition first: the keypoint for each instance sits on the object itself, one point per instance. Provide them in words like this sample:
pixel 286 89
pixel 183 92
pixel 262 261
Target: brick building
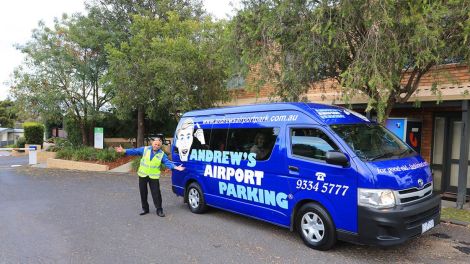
pixel 440 118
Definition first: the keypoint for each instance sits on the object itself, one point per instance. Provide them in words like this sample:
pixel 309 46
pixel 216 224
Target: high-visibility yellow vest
pixel 150 167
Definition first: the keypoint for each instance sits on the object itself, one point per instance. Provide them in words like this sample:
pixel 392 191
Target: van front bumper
pixel 393 226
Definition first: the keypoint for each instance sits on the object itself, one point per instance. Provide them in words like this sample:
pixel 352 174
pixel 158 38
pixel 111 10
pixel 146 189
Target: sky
pixel 19 17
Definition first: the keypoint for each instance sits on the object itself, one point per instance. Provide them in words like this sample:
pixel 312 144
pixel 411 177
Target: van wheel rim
pixel 193 198
pixel 312 226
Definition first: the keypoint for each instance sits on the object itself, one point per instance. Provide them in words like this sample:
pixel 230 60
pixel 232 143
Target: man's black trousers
pixel 154 189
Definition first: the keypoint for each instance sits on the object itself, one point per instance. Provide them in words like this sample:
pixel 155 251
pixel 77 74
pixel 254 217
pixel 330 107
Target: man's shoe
pixel 160 213
pixel 144 213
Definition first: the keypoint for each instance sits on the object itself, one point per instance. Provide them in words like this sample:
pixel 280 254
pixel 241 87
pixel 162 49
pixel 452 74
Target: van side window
pixel 311 143
pixel 218 139
pixel 253 140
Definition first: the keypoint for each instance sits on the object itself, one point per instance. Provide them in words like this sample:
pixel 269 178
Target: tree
pixel 380 48
pixel 168 61
pixel 118 17
pixel 8 113
pixel 62 69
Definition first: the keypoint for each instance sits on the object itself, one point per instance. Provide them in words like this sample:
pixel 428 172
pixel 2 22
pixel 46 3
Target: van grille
pixel 416 220
pixel 414 194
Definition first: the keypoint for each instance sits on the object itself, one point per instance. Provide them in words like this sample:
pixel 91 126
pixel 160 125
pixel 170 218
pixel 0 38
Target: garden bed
pixel 87 165
pixel 116 163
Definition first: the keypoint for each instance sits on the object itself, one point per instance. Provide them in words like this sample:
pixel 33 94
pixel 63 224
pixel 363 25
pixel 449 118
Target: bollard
pixel 33 155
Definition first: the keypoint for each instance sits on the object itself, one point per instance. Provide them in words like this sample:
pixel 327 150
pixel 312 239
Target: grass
pixel 455 214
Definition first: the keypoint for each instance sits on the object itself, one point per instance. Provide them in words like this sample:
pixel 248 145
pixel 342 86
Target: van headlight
pixel 375 198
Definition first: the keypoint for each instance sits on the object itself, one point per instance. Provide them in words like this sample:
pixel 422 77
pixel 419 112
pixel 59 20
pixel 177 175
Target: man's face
pixel 184 142
pixel 156 144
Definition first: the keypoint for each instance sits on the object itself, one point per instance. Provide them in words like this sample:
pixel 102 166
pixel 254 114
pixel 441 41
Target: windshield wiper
pixel 383 155
pixel 403 152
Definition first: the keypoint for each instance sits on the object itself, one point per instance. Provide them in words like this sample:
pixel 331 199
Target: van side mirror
pixel 337 158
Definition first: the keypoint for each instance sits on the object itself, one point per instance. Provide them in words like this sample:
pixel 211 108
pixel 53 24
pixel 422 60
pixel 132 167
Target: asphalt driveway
pixel 54 216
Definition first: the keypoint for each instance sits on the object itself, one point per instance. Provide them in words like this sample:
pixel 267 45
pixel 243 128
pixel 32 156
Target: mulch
pixel 116 163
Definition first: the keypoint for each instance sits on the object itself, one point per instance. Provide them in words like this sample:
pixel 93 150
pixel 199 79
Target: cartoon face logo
pixel 184 137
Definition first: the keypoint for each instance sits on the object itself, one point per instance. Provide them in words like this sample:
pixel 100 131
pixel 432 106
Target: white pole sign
pixel 99 137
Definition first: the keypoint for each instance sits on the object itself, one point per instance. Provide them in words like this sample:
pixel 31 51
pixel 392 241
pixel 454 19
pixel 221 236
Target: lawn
pixel 455 214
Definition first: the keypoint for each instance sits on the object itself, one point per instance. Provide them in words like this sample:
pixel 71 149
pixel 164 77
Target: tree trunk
pixel 84 132
pixel 140 126
pixel 91 133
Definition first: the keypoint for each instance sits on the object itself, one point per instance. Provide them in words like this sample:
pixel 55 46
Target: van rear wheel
pixel 196 201
pixel 315 227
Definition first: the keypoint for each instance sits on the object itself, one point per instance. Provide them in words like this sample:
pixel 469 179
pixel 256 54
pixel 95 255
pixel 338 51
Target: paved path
pixel 52 216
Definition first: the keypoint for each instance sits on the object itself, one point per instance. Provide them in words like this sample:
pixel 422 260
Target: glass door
pixel 437 164
pixel 456 134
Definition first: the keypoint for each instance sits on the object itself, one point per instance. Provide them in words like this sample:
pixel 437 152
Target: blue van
pixel 325 171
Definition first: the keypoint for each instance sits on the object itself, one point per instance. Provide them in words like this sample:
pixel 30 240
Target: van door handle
pixel 293 168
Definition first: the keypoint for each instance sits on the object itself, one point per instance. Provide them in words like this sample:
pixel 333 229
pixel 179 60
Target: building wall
pixel 453 80
pixel 426 115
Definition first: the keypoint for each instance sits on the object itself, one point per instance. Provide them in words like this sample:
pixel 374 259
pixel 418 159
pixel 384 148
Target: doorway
pixel 446 152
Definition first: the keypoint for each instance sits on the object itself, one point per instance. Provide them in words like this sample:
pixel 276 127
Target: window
pixel 253 140
pixel 218 139
pixel 311 143
pixel 372 142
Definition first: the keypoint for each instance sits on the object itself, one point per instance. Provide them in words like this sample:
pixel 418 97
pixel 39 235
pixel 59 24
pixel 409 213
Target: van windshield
pixel 373 142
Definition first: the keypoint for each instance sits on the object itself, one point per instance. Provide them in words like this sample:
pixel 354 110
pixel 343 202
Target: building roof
pixel 11 130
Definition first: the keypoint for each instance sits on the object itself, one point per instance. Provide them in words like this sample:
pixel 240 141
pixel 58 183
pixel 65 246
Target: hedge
pixel 33 133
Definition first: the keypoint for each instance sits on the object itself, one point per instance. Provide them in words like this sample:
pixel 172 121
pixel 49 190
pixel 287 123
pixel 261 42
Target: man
pixel 149 173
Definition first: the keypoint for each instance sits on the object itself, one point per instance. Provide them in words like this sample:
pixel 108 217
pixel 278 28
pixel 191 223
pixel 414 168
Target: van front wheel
pixel 196 202
pixel 315 227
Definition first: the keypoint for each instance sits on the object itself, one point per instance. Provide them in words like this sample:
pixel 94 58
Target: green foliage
pixel 87 154
pixel 168 65
pixel 135 164
pixel 378 48
pixel 20 143
pixel 450 213
pixel 8 113
pixel 84 153
pixel 33 133
pixel 107 155
pixel 62 70
pixel 65 153
pixel 59 143
pixel 116 127
pixel 74 133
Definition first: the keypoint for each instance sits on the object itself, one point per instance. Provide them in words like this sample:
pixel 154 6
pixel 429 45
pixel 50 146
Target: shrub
pixel 59 143
pixel 74 134
pixel 87 154
pixel 33 133
pixel 65 153
pixel 20 142
pixel 107 155
pixel 84 153
pixel 62 143
pixel 135 164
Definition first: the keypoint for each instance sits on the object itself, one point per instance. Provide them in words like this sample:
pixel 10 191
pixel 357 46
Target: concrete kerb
pixel 125 168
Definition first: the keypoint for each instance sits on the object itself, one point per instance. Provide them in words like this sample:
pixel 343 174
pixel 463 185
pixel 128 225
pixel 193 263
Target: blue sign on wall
pixel 397 126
